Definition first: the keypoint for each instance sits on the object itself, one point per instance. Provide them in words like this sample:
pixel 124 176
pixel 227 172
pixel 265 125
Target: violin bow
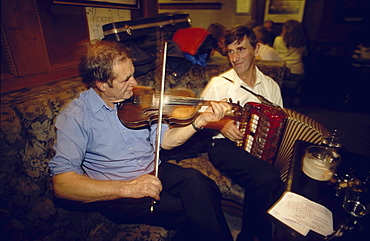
pixel 160 118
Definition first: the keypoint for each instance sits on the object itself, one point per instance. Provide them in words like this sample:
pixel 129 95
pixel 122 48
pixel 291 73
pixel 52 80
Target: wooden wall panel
pixel 22 28
pixel 40 40
pixel 64 28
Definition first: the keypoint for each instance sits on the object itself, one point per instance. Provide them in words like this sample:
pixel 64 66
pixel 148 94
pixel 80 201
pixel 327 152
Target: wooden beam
pixel 147 9
pixel 212 5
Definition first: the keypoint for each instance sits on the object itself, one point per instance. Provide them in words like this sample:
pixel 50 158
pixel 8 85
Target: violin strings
pixel 182 101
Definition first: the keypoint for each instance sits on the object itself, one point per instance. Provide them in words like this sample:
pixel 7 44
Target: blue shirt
pixel 92 141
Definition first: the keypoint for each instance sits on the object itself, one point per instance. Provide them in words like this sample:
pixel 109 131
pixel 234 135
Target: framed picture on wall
pixel 127 4
pixel 281 11
pixel 243 7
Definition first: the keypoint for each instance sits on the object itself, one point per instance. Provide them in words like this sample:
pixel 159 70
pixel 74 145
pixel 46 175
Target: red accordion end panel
pixel 262 126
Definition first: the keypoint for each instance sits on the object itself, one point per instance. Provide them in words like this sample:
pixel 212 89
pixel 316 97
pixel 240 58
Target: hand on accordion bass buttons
pixel 231 131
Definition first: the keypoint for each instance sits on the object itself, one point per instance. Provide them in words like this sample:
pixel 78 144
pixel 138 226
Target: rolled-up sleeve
pixel 71 143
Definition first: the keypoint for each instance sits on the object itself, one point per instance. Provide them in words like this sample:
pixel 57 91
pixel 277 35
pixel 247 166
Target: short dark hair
pixel 98 59
pixel 238 33
pixel 262 34
pixel 217 30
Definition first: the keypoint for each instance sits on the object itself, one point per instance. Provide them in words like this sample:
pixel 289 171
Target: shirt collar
pixel 97 102
pixel 233 77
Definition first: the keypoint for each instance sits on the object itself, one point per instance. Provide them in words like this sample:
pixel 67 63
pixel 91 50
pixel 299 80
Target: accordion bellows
pixel 297 127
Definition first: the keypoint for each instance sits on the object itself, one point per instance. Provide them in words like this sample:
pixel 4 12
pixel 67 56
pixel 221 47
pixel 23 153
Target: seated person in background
pixel 218 31
pixel 251 24
pixel 292 46
pixel 269 25
pixel 362 51
pixel 108 167
pixel 266 52
pixel 261 180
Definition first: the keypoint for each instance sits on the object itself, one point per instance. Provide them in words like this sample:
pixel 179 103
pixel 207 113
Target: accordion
pixel 270 133
pixel 262 126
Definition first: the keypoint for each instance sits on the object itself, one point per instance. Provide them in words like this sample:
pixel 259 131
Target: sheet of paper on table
pixel 302 214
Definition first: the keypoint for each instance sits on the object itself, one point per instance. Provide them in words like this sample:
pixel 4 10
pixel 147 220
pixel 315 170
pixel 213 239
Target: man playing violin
pixel 106 166
pixel 261 180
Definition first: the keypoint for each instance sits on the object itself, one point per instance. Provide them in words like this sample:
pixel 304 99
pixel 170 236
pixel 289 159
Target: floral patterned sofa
pixel 28 209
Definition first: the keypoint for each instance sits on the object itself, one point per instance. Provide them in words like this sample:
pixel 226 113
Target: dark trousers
pixel 190 202
pixel 261 181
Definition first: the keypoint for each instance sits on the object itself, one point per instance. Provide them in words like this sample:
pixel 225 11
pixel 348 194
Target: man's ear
pixel 256 51
pixel 102 86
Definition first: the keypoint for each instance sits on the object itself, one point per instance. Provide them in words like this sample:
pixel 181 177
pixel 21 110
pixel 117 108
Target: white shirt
pixel 228 85
pixel 292 56
pixel 266 52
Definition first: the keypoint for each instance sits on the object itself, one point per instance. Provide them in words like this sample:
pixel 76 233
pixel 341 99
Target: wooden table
pixel 322 192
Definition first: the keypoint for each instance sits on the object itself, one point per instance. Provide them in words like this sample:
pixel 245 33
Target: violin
pixel 180 107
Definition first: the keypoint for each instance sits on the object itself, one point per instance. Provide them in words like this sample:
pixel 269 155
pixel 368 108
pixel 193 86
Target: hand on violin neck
pixel 178 135
pixel 215 112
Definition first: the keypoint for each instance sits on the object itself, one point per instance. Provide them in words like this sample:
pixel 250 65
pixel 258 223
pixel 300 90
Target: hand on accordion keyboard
pixel 231 131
